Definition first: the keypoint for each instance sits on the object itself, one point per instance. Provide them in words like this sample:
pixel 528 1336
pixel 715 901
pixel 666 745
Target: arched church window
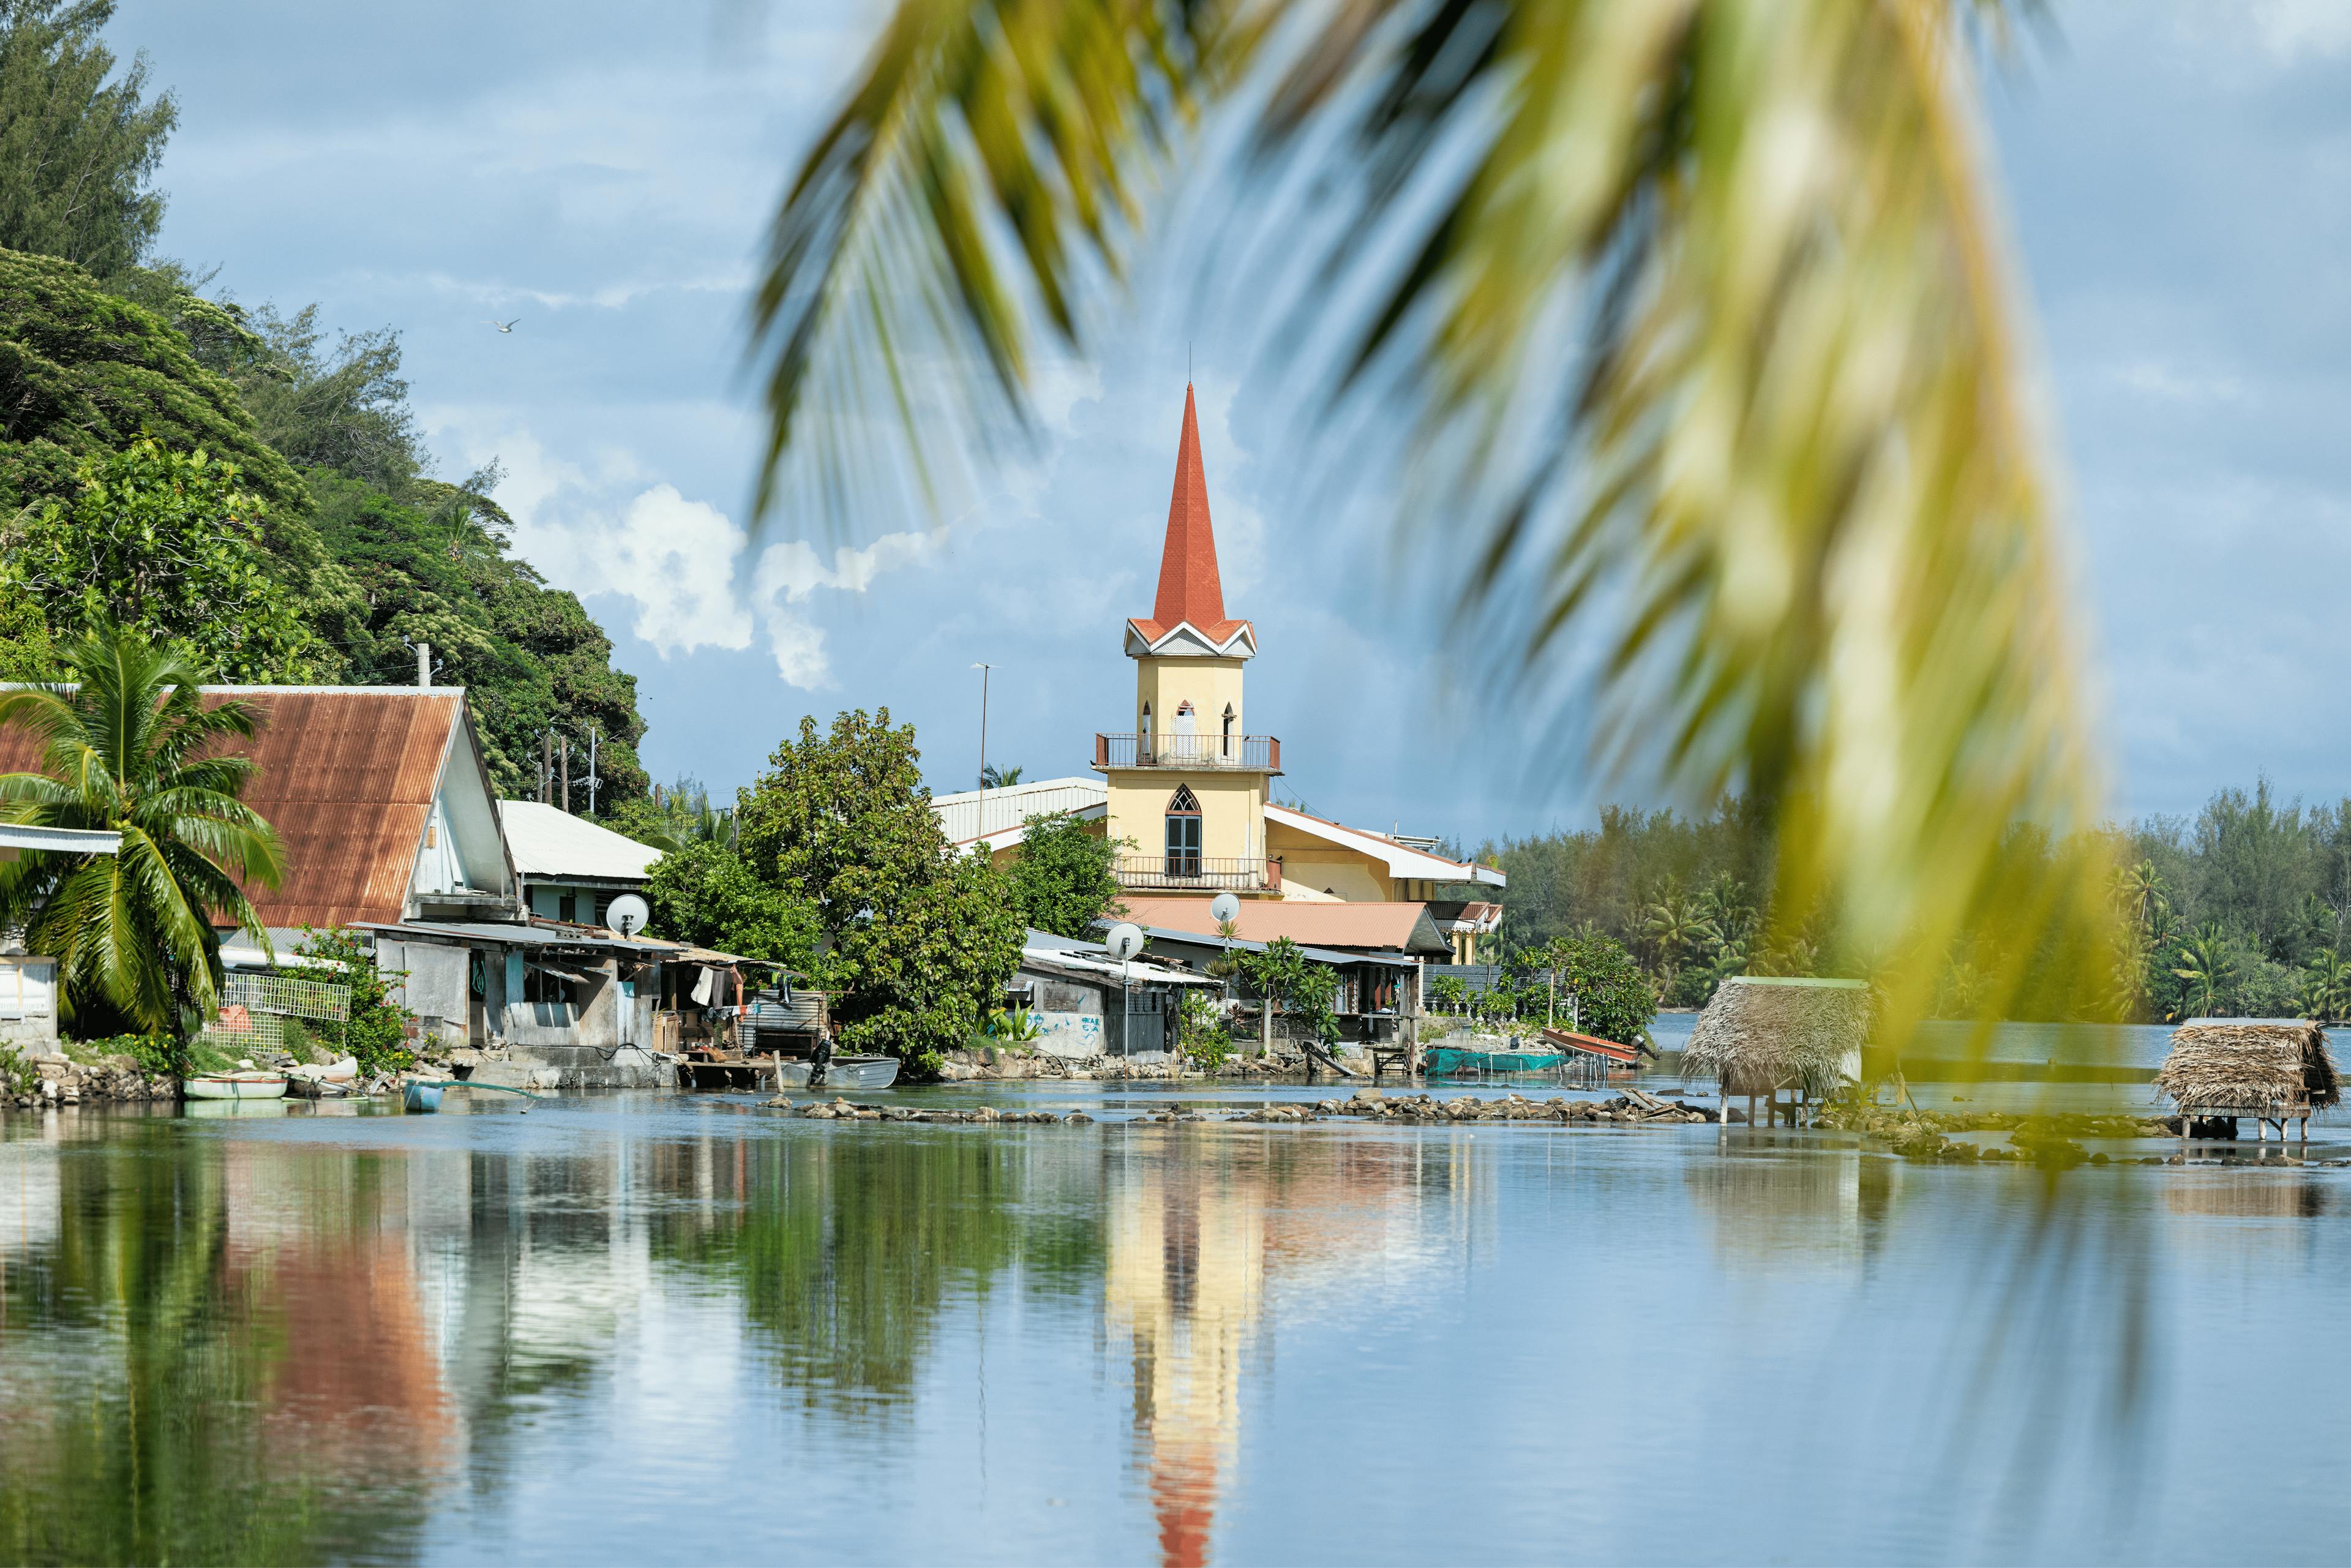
pixel 1184 833
pixel 1228 729
pixel 1143 743
pixel 1184 720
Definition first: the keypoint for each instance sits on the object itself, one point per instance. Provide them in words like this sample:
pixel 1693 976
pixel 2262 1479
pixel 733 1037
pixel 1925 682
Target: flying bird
pixel 503 326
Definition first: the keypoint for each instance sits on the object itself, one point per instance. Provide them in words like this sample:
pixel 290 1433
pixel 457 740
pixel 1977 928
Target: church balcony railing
pixel 1241 753
pixel 1187 874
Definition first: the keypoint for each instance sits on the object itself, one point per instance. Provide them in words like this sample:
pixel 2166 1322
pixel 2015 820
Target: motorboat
pixel 840 1073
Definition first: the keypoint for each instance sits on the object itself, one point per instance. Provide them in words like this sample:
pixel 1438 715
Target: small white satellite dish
pixel 1224 907
pixel 1124 941
pixel 627 914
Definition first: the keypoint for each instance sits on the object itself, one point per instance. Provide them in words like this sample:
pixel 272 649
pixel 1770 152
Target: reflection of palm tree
pixel 1800 436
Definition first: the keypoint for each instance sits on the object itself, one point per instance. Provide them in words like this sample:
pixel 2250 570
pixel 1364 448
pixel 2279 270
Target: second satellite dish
pixel 1124 941
pixel 627 914
pixel 1224 907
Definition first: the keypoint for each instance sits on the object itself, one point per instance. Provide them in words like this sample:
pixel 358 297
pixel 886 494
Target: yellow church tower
pixel 1187 781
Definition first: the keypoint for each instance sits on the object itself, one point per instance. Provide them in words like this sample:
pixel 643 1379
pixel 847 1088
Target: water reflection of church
pixel 1199 1238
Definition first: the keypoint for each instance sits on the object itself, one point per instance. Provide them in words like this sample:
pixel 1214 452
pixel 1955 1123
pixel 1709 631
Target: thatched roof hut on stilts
pixel 2273 1070
pixel 1762 1034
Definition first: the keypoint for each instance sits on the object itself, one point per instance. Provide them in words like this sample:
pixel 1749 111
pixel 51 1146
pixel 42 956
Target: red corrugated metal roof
pixel 347 777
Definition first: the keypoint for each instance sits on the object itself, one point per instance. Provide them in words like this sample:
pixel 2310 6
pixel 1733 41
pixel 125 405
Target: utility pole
pixel 425 666
pixel 563 761
pixel 592 781
pixel 546 765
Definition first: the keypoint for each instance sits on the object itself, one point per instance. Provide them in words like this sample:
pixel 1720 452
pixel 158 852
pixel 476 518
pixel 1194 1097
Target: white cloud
pixel 2292 28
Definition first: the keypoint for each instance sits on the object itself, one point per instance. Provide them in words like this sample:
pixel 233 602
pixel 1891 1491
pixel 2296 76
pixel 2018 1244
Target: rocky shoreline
pixel 61 1081
pixel 1370 1104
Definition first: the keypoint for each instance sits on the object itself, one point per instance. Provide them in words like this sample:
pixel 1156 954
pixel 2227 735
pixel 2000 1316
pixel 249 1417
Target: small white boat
pixel 342 1070
pixel 255 1085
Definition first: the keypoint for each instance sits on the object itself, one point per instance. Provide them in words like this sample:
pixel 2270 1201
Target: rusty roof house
pixel 390 827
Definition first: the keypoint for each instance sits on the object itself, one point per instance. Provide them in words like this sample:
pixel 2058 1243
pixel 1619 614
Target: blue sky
pixel 2179 176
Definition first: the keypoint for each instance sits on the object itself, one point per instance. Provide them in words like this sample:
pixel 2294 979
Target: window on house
pixel 567 907
pixel 1184 833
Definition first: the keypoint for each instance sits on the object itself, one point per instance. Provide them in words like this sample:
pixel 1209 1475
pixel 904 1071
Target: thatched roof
pixel 2244 1064
pixel 1760 1033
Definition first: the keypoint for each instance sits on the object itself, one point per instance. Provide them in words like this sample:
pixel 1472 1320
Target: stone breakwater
pixel 1368 1104
pixel 61 1081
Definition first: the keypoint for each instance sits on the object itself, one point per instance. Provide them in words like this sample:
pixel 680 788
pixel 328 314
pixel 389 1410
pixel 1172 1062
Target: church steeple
pixel 1191 591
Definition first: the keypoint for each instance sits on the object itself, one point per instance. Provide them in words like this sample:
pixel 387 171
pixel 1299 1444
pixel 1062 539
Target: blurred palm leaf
pixel 1787 470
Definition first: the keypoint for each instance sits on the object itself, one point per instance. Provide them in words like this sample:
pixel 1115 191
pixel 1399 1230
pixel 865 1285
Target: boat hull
pixel 845 1072
pixel 234 1086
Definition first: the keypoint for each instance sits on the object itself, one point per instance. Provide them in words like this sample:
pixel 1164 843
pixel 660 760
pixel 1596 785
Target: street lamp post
pixel 983 670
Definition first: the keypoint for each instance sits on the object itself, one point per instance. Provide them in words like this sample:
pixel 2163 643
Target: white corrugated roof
pixel 1402 859
pixel 64 841
pixel 549 842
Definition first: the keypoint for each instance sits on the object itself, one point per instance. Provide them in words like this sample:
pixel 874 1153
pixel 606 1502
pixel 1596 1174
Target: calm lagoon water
pixel 666 1327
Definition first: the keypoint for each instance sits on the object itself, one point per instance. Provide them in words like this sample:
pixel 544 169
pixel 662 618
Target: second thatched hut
pixel 2273 1070
pixel 1762 1034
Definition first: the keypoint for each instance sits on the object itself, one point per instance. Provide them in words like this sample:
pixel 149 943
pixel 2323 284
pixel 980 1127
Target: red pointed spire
pixel 1189 587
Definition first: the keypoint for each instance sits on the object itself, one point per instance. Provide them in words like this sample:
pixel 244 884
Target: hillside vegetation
pixel 315 476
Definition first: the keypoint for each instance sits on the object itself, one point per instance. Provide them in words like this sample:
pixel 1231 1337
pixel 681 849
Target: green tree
pixel 704 893
pixel 84 372
pixel 376 1033
pixel 2208 965
pixel 1065 878
pixel 77 149
pixel 168 544
pixel 917 941
pixel 1612 996
pixel 1292 983
pixel 129 747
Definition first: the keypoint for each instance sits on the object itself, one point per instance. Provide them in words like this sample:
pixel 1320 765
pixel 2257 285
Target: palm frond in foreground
pixel 1791 477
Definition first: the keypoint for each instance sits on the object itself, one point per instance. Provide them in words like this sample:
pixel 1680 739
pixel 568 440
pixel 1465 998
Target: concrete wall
pixel 1232 809
pixel 1069 1016
pixel 28 1004
pixel 434 986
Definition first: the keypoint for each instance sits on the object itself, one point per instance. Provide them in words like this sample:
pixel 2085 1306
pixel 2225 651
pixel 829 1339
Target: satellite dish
pixel 627 914
pixel 1224 907
pixel 1126 941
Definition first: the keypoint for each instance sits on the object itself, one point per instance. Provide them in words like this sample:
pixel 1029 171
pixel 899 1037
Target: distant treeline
pixel 2243 910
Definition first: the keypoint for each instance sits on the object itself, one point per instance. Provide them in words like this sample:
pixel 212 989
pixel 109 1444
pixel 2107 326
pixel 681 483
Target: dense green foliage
pixel 84 372
pixel 169 544
pixel 377 1030
pixel 705 894
pixel 124 749
pixel 77 149
pixel 2243 910
pixel 101 345
pixel 1065 878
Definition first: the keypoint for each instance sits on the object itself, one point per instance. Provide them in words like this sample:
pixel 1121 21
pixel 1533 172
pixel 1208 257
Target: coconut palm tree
pixel 2207 965
pixel 127 745
pixel 1699 314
